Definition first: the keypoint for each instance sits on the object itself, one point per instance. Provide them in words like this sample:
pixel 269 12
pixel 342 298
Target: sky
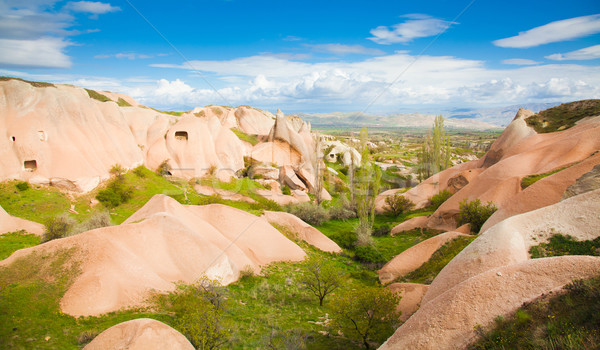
pixel 309 56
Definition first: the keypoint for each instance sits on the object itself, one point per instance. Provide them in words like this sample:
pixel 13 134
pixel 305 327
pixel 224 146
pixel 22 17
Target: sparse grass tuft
pixel 252 139
pixel 97 96
pixel 531 179
pixel 32 83
pixel 122 103
pixel 565 245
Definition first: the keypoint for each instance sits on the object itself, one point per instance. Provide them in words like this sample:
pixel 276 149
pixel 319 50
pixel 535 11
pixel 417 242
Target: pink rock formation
pixel 162 243
pixel 10 223
pixel 412 294
pixel 302 230
pixel 210 191
pixel 410 224
pixel 140 334
pixel 415 256
pixel 494 275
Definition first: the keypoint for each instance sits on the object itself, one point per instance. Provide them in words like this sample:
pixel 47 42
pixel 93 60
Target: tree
pixel 117 170
pixel 398 204
pixel 366 314
pixel 367 189
pixel 320 277
pixel 475 213
pixel 198 313
pixel 434 154
pixel 318 187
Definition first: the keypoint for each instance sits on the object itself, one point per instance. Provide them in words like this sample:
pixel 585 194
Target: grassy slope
pixel 13 241
pixel 564 116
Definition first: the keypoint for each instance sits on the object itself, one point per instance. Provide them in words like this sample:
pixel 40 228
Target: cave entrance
pixel 30 165
pixel 181 135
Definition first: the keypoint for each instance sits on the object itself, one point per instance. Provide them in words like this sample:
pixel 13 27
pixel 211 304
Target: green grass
pixel 252 139
pixel 531 179
pixel 122 103
pixel 32 83
pixel 430 269
pixel 31 289
pixel 567 320
pixel 38 203
pixel 564 116
pixel 12 241
pixel 565 245
pixel 97 96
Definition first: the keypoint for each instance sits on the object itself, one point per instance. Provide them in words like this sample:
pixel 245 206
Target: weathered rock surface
pixel 412 294
pixel 162 243
pixel 494 275
pixel 410 224
pixel 10 223
pixel 140 334
pixel 302 230
pixel 415 256
pixel 589 181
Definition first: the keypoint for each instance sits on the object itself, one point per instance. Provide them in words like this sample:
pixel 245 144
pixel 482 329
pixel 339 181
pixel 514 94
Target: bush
pixel 342 210
pixel 164 169
pixel 23 186
pixel 368 254
pixel 115 193
pixel 140 171
pixel 366 315
pixel 438 199
pixel 97 220
pixel 382 230
pixel 58 227
pixel 475 213
pixel 286 190
pixel 117 170
pixel 311 213
pixel 398 204
pixel 345 239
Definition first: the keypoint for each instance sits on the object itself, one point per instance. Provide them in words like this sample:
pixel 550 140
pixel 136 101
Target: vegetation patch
pixel 438 199
pixel 568 320
pixel 38 203
pixel 564 116
pixel 122 103
pixel 13 241
pixel 430 269
pixel 252 139
pixel 565 245
pixel 97 96
pixel 32 83
pixel 475 213
pixel 531 179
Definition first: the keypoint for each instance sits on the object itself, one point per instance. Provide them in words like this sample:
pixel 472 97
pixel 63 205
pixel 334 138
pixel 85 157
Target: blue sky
pixel 377 56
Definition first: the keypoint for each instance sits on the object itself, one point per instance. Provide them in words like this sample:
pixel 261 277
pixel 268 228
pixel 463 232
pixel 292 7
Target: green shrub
pixel 438 199
pixel 58 227
pixel 97 220
pixel 381 230
pixel 368 254
pixel 398 204
pixel 140 171
pixel 345 239
pixel 117 192
pixel 23 186
pixel 565 245
pixel 164 169
pixel 286 190
pixel 311 213
pixel 117 170
pixel 366 315
pixel 475 213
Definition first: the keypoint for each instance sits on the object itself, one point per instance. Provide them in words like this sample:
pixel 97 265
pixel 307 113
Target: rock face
pixel 412 294
pixel 494 275
pixel 303 231
pixel 517 153
pixel 140 334
pixel 162 243
pixel 587 182
pixel 59 135
pixel 10 223
pixel 415 256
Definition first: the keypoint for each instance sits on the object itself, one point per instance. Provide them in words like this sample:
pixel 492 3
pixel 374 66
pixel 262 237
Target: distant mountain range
pixel 460 118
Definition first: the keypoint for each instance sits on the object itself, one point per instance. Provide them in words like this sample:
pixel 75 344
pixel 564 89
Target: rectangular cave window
pixel 181 135
pixel 30 165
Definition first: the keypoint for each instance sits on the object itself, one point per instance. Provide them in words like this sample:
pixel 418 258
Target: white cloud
pixel 339 49
pixel 520 62
pixel 96 8
pixel 566 29
pixel 588 53
pixel 42 52
pixel 269 82
pixel 127 55
pixel 417 26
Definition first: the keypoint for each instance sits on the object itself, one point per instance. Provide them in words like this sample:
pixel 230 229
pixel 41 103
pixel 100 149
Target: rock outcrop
pixel 160 244
pixel 140 334
pixel 494 275
pixel 9 223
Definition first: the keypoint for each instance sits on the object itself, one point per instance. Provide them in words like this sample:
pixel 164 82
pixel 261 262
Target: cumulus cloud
pixel 417 26
pixel 269 82
pixel 340 49
pixel 520 62
pixel 42 52
pixel 96 8
pixel 588 53
pixel 562 30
